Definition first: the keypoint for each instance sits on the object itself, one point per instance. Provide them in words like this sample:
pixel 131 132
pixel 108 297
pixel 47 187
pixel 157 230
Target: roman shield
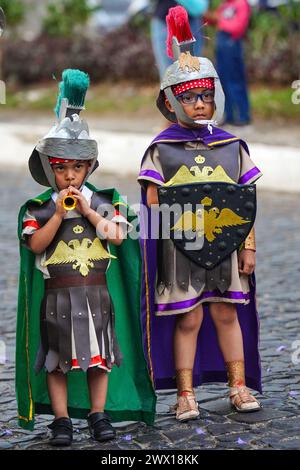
pixel 207 221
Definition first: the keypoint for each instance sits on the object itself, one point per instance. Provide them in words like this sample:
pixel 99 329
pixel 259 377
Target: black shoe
pixel 62 432
pixel 100 427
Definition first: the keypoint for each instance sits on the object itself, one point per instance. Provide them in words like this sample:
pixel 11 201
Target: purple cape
pixel 158 331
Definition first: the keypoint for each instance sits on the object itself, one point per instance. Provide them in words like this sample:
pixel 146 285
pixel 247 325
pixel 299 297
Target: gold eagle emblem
pixel 81 254
pixel 197 175
pixel 208 222
pixel 186 60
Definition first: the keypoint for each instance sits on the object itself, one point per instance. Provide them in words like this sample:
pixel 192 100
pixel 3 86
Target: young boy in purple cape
pixel 199 325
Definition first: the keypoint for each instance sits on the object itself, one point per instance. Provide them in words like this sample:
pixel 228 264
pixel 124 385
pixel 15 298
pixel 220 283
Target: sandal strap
pixel 242 395
pixel 184 401
pixel 185 405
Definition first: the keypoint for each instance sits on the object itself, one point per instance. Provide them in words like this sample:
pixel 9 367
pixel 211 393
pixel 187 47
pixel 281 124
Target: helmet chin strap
pixel 48 171
pixel 90 171
pixel 180 114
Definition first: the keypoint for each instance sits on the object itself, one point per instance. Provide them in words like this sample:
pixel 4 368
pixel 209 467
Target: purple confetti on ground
pixel 269 369
pixel 281 348
pixel 127 437
pixel 240 441
pixel 200 431
pixel 293 393
pixel 7 432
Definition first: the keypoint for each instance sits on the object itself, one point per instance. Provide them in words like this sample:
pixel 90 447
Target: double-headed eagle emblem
pixel 81 254
pixel 208 222
pixel 186 60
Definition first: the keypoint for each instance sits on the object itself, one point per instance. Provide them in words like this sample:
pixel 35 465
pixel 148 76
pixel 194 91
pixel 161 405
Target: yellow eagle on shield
pixel 208 222
pixel 82 254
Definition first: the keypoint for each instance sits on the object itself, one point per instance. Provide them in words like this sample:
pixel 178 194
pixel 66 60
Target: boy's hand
pixel 82 204
pixel 246 260
pixel 59 207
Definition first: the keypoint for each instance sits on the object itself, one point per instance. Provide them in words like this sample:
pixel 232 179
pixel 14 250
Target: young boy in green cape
pixel 78 308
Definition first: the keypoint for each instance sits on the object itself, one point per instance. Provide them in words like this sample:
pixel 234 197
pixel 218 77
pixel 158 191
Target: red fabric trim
pixel 95 361
pixel 184 394
pixel 31 223
pixel 201 83
pixel 53 160
pixel 118 214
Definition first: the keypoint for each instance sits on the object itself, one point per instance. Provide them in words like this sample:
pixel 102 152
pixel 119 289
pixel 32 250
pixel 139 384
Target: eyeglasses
pixel 188 97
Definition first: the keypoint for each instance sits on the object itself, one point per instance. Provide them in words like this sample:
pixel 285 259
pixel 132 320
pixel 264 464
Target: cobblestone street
pixel 276 426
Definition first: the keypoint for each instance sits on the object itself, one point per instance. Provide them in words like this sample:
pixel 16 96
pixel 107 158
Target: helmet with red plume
pixel 186 68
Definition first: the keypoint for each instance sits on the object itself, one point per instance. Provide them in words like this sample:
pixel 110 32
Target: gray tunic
pixel 77 315
pixel 174 299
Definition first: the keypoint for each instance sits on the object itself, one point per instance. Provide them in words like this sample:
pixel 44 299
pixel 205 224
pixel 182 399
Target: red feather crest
pixel 178 26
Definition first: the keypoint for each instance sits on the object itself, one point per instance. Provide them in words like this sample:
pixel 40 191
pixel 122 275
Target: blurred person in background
pixel 2 27
pixel 195 9
pixel 2 21
pixel 231 20
pixel 109 15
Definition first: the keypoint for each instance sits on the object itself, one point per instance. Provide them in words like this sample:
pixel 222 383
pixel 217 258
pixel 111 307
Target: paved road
pixel 122 155
pixel 277 426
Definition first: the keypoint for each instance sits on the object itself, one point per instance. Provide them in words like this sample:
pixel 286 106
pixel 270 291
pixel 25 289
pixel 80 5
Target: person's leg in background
pixel 197 30
pixel 225 63
pixel 239 85
pixel 158 39
pixel 231 70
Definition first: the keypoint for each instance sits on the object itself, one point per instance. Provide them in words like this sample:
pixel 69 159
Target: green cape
pixel 130 393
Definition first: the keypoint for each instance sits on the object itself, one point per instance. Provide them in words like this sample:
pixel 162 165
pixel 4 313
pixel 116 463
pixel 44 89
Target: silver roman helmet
pixel 69 138
pixel 186 68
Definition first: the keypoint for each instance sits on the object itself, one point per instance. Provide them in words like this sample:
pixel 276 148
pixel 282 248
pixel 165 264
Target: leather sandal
pixel 243 401
pixel 186 407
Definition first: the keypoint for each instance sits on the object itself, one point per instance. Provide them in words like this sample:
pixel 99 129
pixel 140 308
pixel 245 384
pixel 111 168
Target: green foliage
pixel 65 16
pixel 272 50
pixel 213 4
pixel 279 24
pixel 14 11
pixel 290 13
pixel 124 99
pixel 140 22
pixel 270 102
pixel 272 44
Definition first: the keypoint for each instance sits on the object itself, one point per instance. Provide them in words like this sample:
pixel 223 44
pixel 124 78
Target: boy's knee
pixel 189 323
pixel 225 314
pixel 226 319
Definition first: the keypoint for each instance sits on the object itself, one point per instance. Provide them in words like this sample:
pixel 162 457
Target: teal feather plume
pixel 73 86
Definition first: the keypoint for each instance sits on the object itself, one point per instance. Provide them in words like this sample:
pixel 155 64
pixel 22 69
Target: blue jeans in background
pixel 159 40
pixel 231 70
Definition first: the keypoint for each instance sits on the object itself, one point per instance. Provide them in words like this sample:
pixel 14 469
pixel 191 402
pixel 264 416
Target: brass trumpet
pixel 69 202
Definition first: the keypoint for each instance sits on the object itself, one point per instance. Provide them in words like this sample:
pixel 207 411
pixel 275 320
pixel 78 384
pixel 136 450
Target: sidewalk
pixel 121 154
pixel 218 427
